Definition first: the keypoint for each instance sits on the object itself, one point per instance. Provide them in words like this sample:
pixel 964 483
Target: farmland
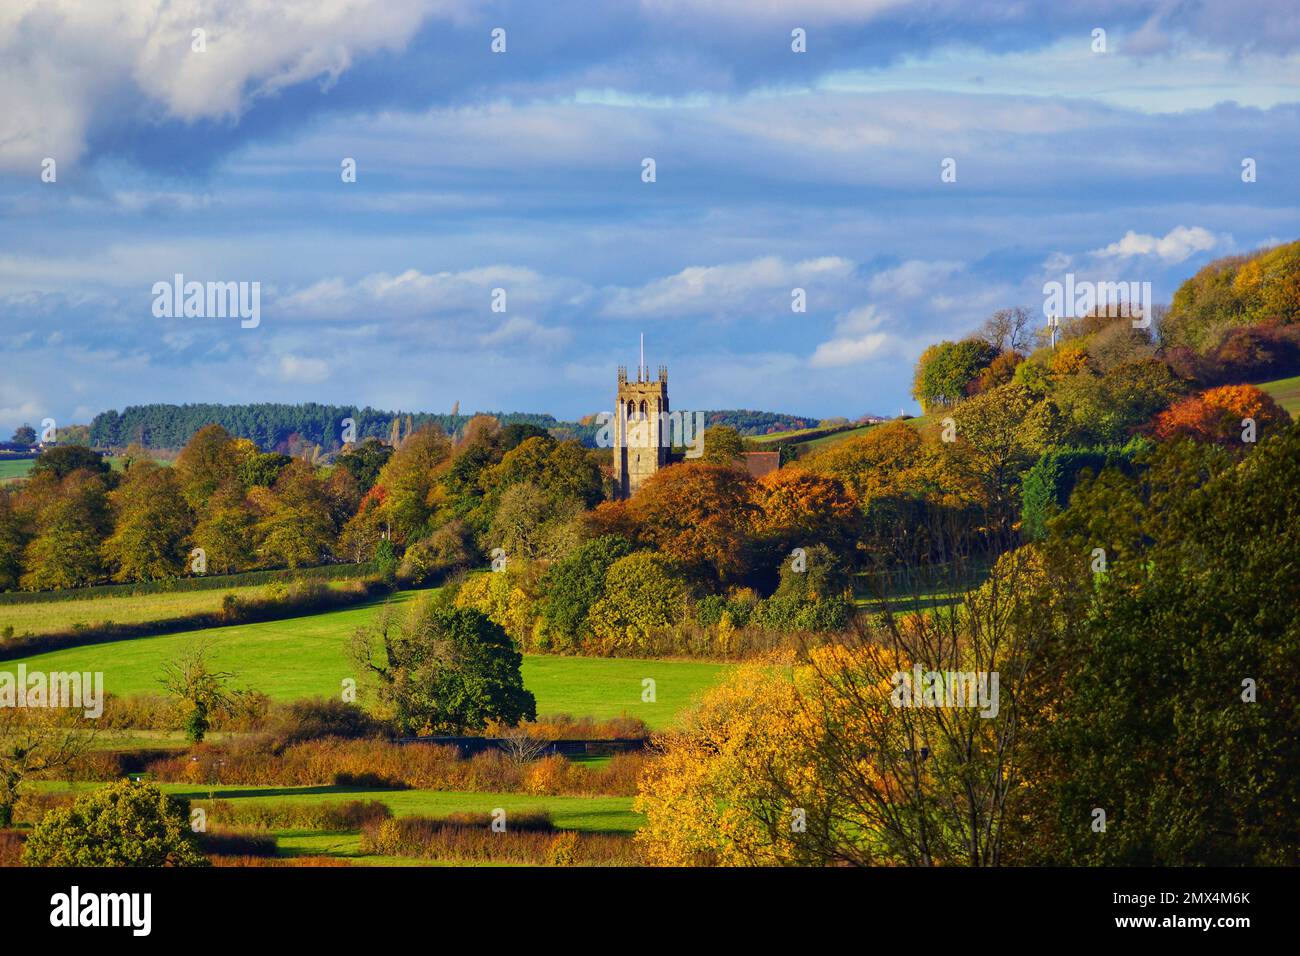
pixel 308 657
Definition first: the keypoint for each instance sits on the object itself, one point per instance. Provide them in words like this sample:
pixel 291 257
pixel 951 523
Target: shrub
pixel 123 824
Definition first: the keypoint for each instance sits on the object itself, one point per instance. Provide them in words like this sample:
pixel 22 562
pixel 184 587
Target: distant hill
pixel 281 426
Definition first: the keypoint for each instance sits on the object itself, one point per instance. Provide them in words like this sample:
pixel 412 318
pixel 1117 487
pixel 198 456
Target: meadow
pixel 307 656
pixel 47 617
pixel 608 815
pixel 1286 392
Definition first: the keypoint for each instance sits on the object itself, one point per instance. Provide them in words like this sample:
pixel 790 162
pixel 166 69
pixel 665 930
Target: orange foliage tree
pixel 699 515
pixel 811 506
pixel 1219 415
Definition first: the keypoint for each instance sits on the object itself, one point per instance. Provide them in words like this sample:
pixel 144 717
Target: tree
pixel 365 461
pixel 722 445
pixel 998 437
pixel 1218 415
pixel 829 763
pixel 151 521
pixel 1007 330
pixel 225 532
pixel 63 460
pixel 946 370
pixel 641 598
pixel 802 506
pixel 443 670
pixel 13 539
pixel 524 519
pixel 409 479
pixel 207 462
pixel 1198 600
pixel 699 515
pixel 297 529
pixel 573 584
pixel 70 530
pixel 34 742
pixel 200 691
pixel 24 434
pixel 123 824
pixel 1106 410
pixel 724 783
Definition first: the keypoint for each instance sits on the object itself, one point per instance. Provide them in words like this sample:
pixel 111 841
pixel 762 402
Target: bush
pixel 529 837
pixel 123 824
pixel 324 717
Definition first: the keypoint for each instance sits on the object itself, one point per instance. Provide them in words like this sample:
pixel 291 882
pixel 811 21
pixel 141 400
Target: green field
pixel 588 814
pixel 49 616
pixel 13 468
pixel 1286 392
pixel 307 657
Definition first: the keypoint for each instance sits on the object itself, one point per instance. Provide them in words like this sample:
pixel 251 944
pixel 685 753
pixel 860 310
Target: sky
pixel 221 157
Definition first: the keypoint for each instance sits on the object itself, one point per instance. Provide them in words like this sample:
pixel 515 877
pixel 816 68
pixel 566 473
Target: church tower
pixel 640 423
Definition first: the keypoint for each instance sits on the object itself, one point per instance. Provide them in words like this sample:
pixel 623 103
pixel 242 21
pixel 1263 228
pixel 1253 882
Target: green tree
pixel 722 445
pixel 443 670
pixel 200 691
pixel 122 824
pixel 945 371
pixel 572 585
pixel 642 597
pixel 24 434
pixel 63 460
pixel 1173 674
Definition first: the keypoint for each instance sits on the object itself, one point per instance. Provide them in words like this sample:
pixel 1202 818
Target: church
pixel 642 419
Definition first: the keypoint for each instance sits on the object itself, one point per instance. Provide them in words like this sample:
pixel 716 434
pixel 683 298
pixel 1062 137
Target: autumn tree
pixel 207 462
pixel 1223 415
pixel 35 742
pixel 699 515
pixel 297 529
pixel 409 480
pixel 946 370
pixel 151 522
pixel 70 531
pixel 642 596
pixel 122 824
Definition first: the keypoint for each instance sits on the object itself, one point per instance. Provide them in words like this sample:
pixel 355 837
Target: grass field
pixel 588 814
pixel 14 468
pixel 307 657
pixel 49 616
pixel 1286 392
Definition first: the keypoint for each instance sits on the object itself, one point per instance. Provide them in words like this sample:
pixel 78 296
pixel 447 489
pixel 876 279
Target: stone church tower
pixel 640 418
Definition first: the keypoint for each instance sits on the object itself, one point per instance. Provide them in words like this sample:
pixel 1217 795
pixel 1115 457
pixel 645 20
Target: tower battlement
pixel 641 408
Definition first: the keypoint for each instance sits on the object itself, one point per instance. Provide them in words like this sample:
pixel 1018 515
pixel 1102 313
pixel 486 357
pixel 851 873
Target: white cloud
pixel 303 370
pixel 913 279
pixel 66 65
pixel 1177 245
pixel 735 289
pixel 413 293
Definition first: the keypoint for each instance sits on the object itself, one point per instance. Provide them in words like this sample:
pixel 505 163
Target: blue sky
pixel 522 171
